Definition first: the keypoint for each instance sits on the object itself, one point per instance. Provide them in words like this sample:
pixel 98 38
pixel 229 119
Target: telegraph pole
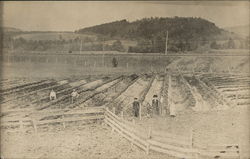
pixel 166 51
pixel 81 47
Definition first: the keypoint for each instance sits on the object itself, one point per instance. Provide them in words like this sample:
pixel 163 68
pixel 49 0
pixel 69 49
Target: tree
pixel 117 46
pixel 214 45
pixel 231 44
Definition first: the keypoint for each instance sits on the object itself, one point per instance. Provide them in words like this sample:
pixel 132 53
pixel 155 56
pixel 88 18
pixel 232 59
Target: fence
pixel 171 144
pixel 53 116
pixel 147 140
pixel 126 62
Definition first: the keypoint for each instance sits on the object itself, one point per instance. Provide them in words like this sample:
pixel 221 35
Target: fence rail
pixel 172 144
pixel 54 116
pixel 147 140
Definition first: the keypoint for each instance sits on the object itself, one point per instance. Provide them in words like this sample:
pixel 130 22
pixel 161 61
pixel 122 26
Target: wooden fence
pixel 51 117
pixel 171 144
pixel 146 139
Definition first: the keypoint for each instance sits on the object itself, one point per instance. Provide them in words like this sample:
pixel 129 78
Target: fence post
pixel 113 110
pixel 21 126
pixel 140 112
pixel 192 142
pixel 243 149
pixel 34 125
pixel 240 151
pixel 237 98
pixel 64 125
pixel 149 137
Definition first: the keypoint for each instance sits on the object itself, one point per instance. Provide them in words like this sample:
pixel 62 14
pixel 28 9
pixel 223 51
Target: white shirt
pixel 74 94
pixel 52 94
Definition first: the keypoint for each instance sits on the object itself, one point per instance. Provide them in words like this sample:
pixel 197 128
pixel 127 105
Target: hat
pixel 155 96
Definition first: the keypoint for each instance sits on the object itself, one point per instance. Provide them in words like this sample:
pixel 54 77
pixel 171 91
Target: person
pixel 74 95
pixel 52 95
pixel 114 62
pixel 162 108
pixel 172 109
pixel 155 105
pixel 136 107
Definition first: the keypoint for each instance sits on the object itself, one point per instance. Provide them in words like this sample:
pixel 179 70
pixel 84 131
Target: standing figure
pixel 74 95
pixel 172 109
pixel 114 62
pixel 136 107
pixel 155 105
pixel 162 107
pixel 52 95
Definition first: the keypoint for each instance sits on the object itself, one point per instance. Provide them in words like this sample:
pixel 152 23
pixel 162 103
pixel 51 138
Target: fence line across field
pixel 171 144
pixel 146 139
pixel 56 116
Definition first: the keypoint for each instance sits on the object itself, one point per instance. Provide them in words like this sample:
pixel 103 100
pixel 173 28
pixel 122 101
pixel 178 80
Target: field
pixel 210 94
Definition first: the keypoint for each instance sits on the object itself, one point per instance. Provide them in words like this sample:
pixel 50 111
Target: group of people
pixel 74 95
pixel 156 105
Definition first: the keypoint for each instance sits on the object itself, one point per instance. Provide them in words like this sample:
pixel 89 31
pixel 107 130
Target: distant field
pixel 76 64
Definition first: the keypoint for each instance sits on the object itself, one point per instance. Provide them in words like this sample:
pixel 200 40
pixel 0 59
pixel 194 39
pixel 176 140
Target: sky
pixel 71 16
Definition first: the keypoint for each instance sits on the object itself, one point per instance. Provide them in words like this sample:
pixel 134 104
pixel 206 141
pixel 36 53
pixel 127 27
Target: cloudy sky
pixel 70 16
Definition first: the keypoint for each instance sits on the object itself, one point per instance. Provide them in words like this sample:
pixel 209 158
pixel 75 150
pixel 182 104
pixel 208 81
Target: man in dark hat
pixel 155 105
pixel 136 107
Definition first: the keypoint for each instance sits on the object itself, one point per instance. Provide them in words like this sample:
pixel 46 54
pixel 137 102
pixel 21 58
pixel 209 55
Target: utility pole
pixel 166 51
pixel 81 47
pixel 103 59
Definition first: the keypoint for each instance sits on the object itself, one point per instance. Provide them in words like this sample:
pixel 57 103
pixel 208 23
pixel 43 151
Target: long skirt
pixel 172 110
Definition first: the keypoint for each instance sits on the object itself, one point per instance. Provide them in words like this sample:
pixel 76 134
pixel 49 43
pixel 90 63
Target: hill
pixel 147 35
pixel 11 29
pixel 45 36
pixel 184 34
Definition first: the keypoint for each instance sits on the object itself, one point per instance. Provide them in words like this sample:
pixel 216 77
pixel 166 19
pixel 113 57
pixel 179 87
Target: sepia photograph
pixel 125 79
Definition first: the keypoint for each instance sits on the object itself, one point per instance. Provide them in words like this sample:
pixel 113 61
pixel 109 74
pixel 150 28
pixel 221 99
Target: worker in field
pixel 156 105
pixel 114 62
pixel 52 95
pixel 136 107
pixel 172 108
pixel 74 95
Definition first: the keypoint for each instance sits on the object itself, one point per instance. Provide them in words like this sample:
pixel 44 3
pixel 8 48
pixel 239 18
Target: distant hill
pixel 45 36
pixel 242 30
pixel 183 33
pixel 11 29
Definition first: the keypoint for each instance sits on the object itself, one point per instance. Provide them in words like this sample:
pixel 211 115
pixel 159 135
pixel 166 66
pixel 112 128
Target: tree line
pixel 77 44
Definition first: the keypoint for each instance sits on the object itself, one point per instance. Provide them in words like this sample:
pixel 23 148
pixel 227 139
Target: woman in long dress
pixel 172 109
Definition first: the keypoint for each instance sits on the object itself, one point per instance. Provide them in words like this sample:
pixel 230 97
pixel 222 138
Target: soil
pixel 81 141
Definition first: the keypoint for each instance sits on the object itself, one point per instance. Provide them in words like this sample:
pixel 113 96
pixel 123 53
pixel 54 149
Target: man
pixel 136 107
pixel 155 105
pixel 52 95
pixel 74 95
